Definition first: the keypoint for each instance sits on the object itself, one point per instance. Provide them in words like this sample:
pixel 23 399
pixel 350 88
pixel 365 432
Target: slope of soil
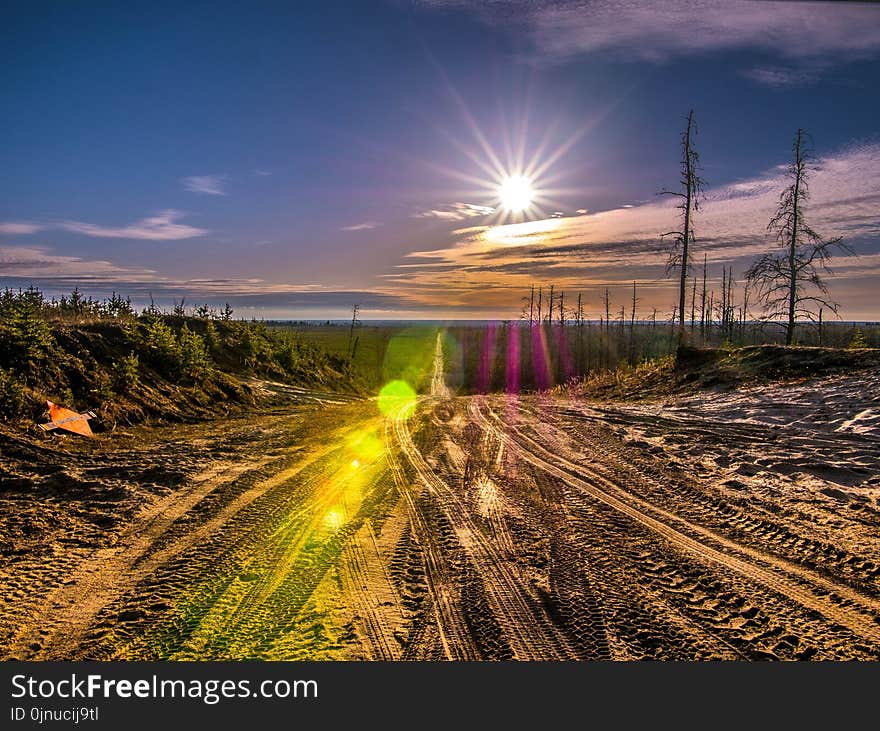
pixel 693 369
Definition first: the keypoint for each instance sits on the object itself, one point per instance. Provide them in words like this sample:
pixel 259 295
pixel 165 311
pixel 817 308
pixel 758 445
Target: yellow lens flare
pixel 516 193
pixel 334 519
pixel 365 447
pixel 397 398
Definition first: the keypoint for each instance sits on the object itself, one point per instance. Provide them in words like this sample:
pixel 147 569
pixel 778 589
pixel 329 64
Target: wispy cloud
pixel 780 77
pixel 261 172
pixel 38 261
pixel 206 184
pixel 161 227
pixel 362 226
pixel 455 212
pixel 20 227
pixel 802 31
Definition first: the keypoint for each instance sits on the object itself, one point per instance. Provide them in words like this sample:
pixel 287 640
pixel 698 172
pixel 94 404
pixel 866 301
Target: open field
pixel 380 352
pixel 714 525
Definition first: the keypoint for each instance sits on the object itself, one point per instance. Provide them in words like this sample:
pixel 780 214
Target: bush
pixel 195 363
pixel 127 374
pixel 13 395
pixel 212 338
pixel 25 337
pixel 162 345
pixel 858 341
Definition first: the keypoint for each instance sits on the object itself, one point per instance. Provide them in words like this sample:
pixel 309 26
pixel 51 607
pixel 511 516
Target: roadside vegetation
pixel 129 366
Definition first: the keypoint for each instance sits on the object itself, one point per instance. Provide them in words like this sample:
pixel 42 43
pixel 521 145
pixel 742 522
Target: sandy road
pixel 836 602
pixel 456 528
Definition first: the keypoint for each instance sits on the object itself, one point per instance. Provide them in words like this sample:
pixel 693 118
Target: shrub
pixel 161 344
pixel 25 337
pixel 127 374
pixel 195 363
pixel 13 395
pixel 212 338
pixel 858 341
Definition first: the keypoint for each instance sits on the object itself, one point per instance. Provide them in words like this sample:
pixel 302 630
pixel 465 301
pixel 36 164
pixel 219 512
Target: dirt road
pixel 457 528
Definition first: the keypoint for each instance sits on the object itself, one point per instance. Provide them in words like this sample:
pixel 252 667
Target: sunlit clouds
pixel 455 212
pixel 614 247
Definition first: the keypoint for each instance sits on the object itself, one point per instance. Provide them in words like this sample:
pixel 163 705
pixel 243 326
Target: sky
pixel 295 159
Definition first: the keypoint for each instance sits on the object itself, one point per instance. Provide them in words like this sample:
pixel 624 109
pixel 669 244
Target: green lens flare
pixel 397 397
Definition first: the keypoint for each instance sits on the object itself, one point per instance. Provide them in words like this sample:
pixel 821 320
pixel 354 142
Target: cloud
pixel 161 227
pixel 455 212
pixel 618 246
pixel 55 275
pixel 363 226
pixel 207 184
pixel 660 30
pixel 37 261
pixel 261 172
pixel 780 77
pixel 13 228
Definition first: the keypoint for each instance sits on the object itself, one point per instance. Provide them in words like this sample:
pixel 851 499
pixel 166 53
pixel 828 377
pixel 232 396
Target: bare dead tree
pixel 791 284
pixel 607 329
pixel 579 319
pixel 632 326
pixel 531 307
pixel 703 304
pixel 607 309
pixel 744 318
pixel 690 195
pixel 354 322
pixel 527 306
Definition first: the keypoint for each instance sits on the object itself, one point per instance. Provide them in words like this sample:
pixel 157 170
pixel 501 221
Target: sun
pixel 516 193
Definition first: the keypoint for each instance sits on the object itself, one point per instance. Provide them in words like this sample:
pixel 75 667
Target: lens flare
pixel 396 397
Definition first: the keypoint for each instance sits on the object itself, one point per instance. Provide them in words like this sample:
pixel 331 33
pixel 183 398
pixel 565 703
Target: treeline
pixel 554 342
pixel 783 297
pixel 101 354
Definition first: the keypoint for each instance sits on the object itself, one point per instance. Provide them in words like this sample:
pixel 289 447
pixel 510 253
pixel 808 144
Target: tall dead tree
pixel 632 326
pixel 607 329
pixel 352 344
pixel 690 194
pixel 703 305
pixel 579 319
pixel 791 283
pixel 531 306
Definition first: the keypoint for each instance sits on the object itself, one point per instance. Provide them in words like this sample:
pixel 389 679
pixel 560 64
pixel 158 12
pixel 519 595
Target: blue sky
pixel 295 159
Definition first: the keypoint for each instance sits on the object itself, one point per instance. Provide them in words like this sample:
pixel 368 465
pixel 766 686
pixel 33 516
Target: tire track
pixel 111 575
pixel 455 636
pixel 531 633
pixel 785 578
pixel 364 577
